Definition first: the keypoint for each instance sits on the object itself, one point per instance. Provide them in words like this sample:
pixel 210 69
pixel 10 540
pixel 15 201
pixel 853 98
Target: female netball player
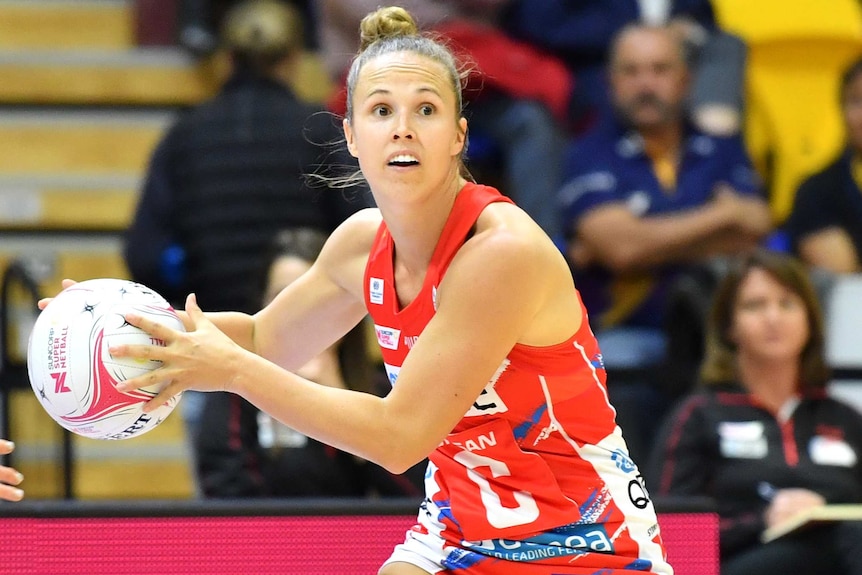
pixel 496 376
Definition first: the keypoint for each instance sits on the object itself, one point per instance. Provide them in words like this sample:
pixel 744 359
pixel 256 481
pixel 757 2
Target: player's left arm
pixel 498 291
pixel 501 289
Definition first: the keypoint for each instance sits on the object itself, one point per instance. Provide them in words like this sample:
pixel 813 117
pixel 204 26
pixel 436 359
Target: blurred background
pixel 89 87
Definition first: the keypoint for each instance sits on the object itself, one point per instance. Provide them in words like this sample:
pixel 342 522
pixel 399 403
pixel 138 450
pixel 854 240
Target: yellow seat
pixel 797 53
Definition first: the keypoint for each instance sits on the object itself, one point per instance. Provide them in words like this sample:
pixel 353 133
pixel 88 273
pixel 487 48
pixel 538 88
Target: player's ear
pixel 349 137
pixel 460 137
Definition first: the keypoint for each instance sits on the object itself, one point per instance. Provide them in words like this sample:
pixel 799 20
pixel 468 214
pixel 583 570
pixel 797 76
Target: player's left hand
pixel 202 358
pixel 9 477
pixel 43 303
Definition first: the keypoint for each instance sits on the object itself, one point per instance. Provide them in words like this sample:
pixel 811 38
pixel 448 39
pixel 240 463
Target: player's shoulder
pixel 354 236
pixel 362 223
pixel 364 217
pixel 505 231
pixel 345 254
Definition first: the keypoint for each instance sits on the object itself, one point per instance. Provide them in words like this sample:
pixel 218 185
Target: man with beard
pixel 647 196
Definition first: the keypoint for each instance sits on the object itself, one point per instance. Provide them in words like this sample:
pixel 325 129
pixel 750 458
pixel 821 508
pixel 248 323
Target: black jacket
pixel 225 178
pixel 720 443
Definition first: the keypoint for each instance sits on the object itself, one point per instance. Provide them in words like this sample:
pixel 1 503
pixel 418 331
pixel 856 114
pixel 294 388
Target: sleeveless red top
pixel 537 469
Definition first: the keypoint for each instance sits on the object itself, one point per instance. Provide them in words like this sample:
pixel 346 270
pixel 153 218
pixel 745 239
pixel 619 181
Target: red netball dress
pixel 536 477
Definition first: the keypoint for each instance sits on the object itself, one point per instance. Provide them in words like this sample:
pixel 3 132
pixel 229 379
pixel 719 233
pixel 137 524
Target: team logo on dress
pixel 623 462
pixel 375 291
pixel 387 337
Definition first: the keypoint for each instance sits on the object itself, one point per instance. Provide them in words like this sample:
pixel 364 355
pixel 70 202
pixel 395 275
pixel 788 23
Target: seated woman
pixel 243 452
pixel 761 437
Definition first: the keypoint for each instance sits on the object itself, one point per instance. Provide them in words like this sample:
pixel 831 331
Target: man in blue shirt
pixel 648 195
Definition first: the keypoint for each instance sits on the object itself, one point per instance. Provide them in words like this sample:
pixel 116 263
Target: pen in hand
pixel 766 491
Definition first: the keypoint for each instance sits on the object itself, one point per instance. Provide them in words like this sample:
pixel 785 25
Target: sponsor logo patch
pixel 387 337
pixel 742 439
pixel 375 291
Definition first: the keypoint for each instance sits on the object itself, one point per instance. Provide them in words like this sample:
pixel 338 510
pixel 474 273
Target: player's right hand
pixel 43 303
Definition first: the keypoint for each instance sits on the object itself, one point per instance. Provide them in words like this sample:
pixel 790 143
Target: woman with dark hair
pixel 244 452
pixel 761 437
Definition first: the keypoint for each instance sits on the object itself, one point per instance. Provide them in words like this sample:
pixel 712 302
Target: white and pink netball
pixel 74 375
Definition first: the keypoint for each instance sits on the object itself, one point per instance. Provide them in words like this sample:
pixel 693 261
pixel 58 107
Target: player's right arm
pixel 317 309
pixel 313 312
pixel 321 306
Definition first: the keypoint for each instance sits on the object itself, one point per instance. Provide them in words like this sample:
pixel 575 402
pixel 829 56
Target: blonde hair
pixel 389 30
pixel 261 33
pixel 392 29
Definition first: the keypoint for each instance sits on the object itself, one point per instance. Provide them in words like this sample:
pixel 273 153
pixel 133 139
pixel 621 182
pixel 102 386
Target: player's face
pixel 649 79
pixel 852 108
pixel 405 128
pixel 770 321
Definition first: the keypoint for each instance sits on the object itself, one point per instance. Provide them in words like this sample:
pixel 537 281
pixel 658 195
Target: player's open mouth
pixel 404 160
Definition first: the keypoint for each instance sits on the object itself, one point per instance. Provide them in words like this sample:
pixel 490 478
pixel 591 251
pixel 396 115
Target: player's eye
pixel 381 110
pixel 426 110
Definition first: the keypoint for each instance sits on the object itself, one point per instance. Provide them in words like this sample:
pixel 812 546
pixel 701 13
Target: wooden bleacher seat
pixel 145 77
pixel 81 110
pixel 155 465
pixel 78 143
pixel 67 202
pixel 66 25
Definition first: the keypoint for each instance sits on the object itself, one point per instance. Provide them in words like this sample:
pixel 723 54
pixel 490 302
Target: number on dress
pixel 498 516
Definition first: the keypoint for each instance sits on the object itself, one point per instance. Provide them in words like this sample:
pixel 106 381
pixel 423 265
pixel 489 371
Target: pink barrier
pixel 311 545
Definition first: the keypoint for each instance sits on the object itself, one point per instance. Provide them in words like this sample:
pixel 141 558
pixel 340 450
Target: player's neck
pixel 416 228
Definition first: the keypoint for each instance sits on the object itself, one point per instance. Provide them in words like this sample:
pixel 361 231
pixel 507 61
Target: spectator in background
pixel 517 98
pixel 199 19
pixel 9 478
pixel 649 196
pixel 244 452
pixel 230 174
pixel 581 34
pixel 825 224
pixel 762 438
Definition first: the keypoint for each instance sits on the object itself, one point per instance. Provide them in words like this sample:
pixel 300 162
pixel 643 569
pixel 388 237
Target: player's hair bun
pixel 387 22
